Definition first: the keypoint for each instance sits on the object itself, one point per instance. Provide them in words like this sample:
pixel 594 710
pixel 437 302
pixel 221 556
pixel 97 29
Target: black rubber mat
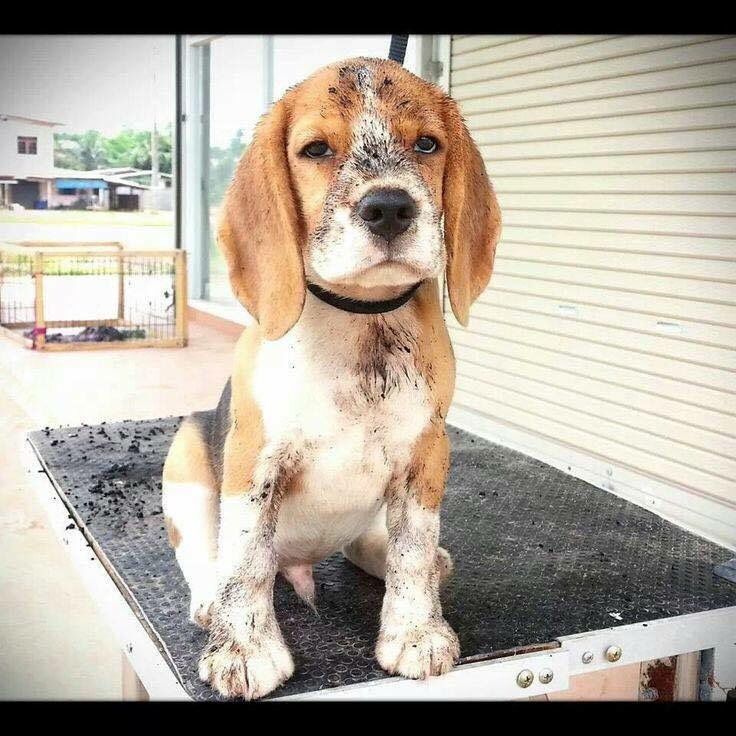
pixel 538 555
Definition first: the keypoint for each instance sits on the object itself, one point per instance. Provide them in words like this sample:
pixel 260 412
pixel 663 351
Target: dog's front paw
pixel 418 651
pixel 247 669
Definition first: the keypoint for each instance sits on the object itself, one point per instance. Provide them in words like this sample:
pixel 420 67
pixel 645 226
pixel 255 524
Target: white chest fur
pixel 345 391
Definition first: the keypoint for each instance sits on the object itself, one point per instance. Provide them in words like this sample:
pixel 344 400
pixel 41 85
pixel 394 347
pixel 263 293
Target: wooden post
pixel 180 296
pixel 121 289
pixel 2 279
pixel 686 676
pixel 39 331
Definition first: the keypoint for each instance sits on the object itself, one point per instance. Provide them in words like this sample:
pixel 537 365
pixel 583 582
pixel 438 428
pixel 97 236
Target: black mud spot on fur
pixel 384 363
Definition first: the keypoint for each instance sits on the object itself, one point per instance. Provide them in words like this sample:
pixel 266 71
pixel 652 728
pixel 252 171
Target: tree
pixel 84 151
pixel 66 151
pixel 92 150
pixel 133 148
pixel 222 166
pixel 129 148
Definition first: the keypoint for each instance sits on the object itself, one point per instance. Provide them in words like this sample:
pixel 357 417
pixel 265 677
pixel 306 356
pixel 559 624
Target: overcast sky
pixel 100 82
pixel 106 83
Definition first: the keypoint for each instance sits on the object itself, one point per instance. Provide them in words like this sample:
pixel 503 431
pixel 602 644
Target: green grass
pixel 84 217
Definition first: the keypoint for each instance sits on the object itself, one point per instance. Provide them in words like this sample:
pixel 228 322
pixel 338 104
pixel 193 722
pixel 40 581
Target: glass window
pixel 236 103
pixel 27 144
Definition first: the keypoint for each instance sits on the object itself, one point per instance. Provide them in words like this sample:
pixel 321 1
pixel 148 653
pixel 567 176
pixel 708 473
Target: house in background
pixel 151 197
pixel 26 159
pixel 137 176
pixel 29 178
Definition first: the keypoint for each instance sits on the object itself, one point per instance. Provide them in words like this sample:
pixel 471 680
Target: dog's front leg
pixel 246 655
pixel 415 640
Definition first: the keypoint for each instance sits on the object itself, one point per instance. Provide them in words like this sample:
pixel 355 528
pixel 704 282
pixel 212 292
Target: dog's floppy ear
pixel 260 231
pixel 472 217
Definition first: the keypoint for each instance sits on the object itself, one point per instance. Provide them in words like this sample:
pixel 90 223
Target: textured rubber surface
pixel 538 554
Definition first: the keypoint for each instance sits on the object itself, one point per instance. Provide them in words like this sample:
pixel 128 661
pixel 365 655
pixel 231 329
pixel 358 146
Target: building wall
pixel 66 200
pixel 606 341
pixel 13 163
pixel 157 199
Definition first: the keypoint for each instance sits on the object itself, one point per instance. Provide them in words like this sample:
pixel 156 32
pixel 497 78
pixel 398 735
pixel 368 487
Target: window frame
pixel 28 144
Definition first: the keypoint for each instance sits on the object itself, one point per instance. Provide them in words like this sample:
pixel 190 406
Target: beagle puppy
pixel 360 187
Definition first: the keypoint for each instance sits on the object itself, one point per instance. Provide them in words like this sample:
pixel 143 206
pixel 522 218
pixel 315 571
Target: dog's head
pixel 346 183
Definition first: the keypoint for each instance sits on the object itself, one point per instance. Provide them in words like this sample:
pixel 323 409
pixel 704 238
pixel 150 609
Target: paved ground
pixel 53 643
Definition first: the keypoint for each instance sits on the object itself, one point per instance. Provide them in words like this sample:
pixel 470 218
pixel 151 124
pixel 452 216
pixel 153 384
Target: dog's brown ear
pixel 260 231
pixel 472 217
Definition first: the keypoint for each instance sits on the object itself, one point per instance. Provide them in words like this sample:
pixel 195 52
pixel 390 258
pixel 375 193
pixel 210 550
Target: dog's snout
pixel 387 212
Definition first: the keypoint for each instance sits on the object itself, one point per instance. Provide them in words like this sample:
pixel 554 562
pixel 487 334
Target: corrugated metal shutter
pixel 610 322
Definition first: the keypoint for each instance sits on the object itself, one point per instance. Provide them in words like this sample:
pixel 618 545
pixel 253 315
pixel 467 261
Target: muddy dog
pixel 360 189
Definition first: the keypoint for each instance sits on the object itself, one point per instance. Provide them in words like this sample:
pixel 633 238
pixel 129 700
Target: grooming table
pixel 552 575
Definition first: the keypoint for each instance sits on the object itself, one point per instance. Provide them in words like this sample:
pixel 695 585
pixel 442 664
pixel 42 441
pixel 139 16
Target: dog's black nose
pixel 387 212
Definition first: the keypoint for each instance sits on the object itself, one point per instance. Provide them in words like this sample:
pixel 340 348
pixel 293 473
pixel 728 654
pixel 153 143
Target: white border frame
pixel 134 640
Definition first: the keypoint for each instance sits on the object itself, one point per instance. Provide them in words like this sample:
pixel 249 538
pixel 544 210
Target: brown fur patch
pixel 173 532
pixel 472 218
pixel 427 472
pixel 244 441
pixel 260 232
pixel 435 360
pixel 188 459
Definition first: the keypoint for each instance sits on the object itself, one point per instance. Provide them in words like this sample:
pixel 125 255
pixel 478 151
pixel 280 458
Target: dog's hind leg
pixel 368 551
pixel 190 502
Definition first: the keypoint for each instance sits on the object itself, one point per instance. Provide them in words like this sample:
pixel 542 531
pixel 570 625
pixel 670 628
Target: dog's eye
pixel 317 149
pixel 425 144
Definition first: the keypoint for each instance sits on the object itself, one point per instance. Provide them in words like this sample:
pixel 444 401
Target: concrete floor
pixel 53 642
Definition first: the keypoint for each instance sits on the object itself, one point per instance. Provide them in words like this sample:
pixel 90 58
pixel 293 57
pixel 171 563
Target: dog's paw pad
pixel 246 670
pixel 420 651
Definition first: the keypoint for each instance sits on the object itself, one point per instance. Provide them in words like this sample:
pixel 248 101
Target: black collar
pixel 358 306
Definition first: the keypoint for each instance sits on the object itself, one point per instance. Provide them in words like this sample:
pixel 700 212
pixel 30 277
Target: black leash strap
pixel 358 306
pixel 397 49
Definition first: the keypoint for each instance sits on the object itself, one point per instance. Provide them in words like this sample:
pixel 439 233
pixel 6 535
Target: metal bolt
pixel 613 653
pixel 545 676
pixel 525 678
pixel 587 657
